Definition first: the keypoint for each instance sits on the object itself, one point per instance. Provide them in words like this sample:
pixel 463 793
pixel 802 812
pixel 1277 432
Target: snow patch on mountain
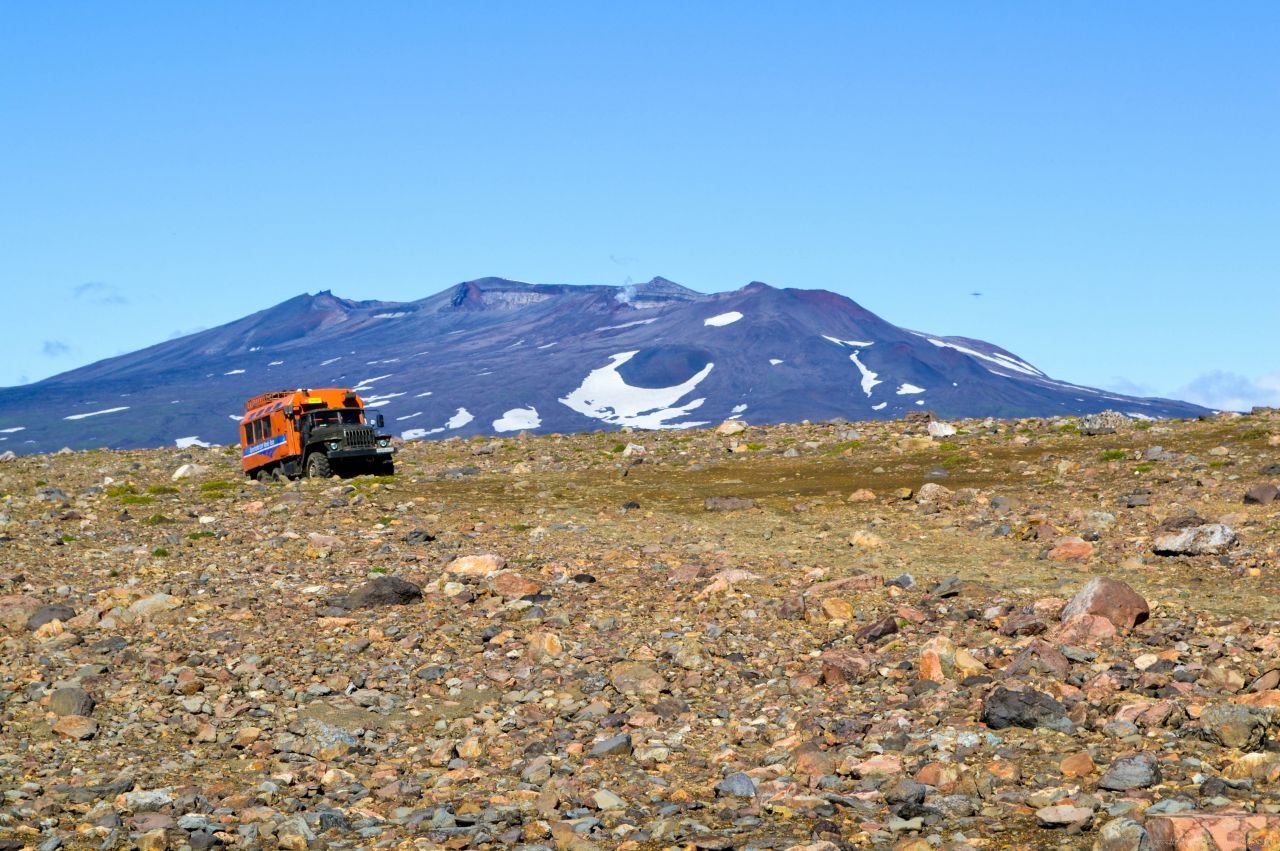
pixel 105 411
pixel 234 372
pixel 369 382
pixel 776 361
pixel 461 418
pixel 517 419
pixel 880 407
pixel 995 357
pixel 723 319
pixel 907 389
pixel 856 344
pixel 12 429
pixel 631 324
pixel 604 395
pixel 188 442
pixel 381 400
pixel 869 379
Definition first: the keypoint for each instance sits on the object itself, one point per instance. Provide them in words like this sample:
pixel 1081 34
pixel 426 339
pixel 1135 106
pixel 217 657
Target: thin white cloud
pixel 1230 391
pixel 100 293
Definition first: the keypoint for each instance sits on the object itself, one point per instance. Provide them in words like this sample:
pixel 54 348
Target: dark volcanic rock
pixel 384 591
pixel 45 614
pixel 1027 708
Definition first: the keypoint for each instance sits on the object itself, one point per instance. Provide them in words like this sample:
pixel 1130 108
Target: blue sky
pixel 1105 175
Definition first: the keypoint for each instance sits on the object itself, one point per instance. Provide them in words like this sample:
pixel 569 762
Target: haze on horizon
pixel 1093 188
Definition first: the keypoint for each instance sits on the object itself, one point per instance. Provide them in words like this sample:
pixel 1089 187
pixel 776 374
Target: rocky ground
pixel 1016 634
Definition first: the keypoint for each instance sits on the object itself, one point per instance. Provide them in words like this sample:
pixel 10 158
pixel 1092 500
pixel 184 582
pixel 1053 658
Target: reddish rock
pixel 1187 831
pixel 76 727
pixel 1071 549
pixel 513 585
pixel 15 609
pixel 843 666
pixel 479 565
pixel 1110 598
pixel 1077 765
pixel 1084 630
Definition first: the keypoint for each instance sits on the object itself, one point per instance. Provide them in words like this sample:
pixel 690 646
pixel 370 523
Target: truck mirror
pixel 379 421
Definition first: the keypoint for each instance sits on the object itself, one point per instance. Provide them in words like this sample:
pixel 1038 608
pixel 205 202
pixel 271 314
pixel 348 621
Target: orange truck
pixel 313 433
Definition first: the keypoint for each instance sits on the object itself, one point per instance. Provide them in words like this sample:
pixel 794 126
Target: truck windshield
pixel 345 416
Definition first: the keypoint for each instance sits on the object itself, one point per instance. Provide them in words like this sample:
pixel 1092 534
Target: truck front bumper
pixel 351 454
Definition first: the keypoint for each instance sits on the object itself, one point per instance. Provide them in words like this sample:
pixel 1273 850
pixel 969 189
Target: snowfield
pixel 604 395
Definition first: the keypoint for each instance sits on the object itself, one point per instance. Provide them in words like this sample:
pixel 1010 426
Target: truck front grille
pixel 360 438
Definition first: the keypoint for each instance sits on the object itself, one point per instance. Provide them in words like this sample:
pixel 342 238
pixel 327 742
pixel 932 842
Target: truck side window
pixel 248 434
pixel 266 427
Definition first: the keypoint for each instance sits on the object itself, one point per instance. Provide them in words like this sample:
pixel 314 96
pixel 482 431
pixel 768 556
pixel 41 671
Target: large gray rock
pixel 71 701
pixel 1208 539
pixel 1137 771
pixel 1122 834
pixel 45 614
pixel 1234 726
pixel 1104 422
pixel 736 785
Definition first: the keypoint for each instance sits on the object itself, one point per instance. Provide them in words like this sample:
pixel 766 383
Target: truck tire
pixel 263 475
pixel 318 466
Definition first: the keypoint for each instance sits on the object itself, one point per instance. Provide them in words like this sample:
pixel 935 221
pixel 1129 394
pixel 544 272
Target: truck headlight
pixel 333 444
pixel 384 441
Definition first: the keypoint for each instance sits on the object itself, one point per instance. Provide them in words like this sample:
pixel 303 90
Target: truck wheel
pixel 318 466
pixel 263 475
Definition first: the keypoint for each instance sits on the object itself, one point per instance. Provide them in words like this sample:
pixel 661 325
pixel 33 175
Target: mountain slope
pixel 496 356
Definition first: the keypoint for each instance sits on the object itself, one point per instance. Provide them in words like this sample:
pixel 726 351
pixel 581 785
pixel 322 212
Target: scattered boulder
pixel 727 503
pixel 1263 494
pixel 1123 834
pixel 1104 422
pixel 736 785
pixel 1207 539
pixel 940 429
pixel 71 701
pixel 1027 708
pixel 1137 771
pixel 1214 830
pixel 1234 726
pixel 932 493
pixel 384 591
pixel 1110 598
pixel 1063 815
pixel 1071 548
pixel 45 614
pixel 478 565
